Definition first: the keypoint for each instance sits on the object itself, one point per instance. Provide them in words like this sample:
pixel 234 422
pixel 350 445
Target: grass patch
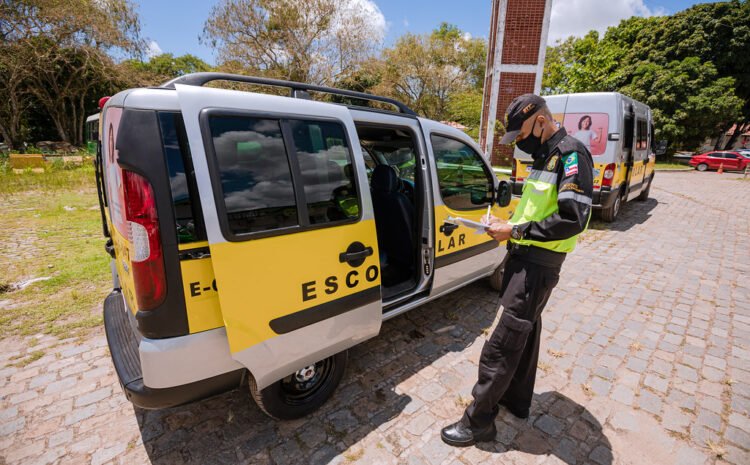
pixel 23 360
pixel 672 166
pixel 52 228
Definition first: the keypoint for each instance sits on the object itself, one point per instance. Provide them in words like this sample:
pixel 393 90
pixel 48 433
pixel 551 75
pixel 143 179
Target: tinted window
pixel 627 137
pixel 641 135
pixel 730 155
pixel 325 163
pixel 462 174
pixel 187 209
pixel 256 180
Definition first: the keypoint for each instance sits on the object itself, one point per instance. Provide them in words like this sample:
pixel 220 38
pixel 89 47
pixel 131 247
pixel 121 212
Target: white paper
pixel 479 228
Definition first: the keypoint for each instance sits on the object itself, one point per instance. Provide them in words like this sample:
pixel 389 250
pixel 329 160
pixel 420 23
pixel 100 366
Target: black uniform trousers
pixel 507 366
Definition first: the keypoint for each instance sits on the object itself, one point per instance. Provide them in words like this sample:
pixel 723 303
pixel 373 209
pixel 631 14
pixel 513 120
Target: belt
pixel 536 255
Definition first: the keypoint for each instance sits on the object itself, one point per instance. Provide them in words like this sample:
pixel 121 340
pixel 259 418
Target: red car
pixel 713 160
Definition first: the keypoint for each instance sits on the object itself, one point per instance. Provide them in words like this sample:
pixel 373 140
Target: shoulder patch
pixel 571 164
pixel 552 163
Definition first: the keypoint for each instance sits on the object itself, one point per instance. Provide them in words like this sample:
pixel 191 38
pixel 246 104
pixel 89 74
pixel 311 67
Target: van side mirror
pixel 661 147
pixel 503 194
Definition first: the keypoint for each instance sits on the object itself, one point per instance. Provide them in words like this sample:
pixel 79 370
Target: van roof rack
pixel 297 89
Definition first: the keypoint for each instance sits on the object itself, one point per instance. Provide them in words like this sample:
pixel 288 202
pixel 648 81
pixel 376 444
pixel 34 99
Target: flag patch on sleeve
pixel 571 164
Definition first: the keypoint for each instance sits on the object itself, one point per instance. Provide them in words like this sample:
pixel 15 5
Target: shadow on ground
pixel 558 426
pixel 230 428
pixel 631 214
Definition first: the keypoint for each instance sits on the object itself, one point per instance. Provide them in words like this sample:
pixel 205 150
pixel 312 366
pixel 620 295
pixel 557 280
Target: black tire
pixel 496 278
pixel 295 397
pixel 702 167
pixel 610 213
pixel 643 196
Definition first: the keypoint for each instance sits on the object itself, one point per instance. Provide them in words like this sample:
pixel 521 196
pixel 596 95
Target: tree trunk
pixel 735 135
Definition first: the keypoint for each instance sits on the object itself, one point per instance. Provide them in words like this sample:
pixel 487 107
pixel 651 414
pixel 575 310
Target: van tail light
pixel 609 175
pixel 146 256
pixel 513 169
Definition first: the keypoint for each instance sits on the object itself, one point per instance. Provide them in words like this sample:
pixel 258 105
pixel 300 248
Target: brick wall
pixel 517 28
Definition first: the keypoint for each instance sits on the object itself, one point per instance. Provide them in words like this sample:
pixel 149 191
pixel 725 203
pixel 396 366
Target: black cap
pixel 519 110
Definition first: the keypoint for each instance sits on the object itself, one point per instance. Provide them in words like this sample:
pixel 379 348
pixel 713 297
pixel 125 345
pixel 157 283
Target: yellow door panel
pixel 201 295
pixel 262 280
pixel 465 237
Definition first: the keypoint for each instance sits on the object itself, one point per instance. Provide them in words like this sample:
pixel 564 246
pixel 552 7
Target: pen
pixel 488 213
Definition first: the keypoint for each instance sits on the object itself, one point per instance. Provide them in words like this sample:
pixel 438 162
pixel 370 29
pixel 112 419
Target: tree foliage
pixel 162 68
pixel 426 71
pixel 691 68
pixel 55 55
pixel 313 41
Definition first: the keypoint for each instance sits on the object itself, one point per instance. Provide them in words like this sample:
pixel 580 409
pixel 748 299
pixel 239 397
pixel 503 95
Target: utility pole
pixel 515 62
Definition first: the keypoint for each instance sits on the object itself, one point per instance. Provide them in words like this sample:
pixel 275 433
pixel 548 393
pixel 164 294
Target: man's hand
pixel 500 231
pixel 491 219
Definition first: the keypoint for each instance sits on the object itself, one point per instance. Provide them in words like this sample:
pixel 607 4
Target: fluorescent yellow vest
pixel 538 201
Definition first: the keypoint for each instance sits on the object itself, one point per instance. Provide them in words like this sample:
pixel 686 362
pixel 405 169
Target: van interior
pixel 397 188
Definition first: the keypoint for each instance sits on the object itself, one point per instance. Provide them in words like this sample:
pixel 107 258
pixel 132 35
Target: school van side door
pixel 463 187
pixel 290 227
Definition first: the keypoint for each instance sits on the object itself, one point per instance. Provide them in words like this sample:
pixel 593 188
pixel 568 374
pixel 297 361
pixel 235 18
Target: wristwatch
pixel 516 233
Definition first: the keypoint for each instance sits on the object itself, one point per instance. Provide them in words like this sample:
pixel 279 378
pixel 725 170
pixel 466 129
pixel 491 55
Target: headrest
pixel 384 179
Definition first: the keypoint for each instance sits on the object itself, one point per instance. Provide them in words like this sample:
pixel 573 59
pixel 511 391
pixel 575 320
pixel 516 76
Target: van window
pixel 641 135
pixel 627 137
pixel 256 179
pixel 325 162
pixel 185 202
pixel 462 174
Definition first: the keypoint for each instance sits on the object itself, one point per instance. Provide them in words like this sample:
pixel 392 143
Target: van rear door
pixel 290 227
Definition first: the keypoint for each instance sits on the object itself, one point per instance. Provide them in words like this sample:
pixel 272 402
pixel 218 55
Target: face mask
pixel 531 144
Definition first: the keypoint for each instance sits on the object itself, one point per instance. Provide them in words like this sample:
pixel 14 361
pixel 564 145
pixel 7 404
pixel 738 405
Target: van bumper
pixel 604 197
pixel 124 349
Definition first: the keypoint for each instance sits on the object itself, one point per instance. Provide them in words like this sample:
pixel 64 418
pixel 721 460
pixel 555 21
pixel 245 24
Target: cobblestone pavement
pixel 644 361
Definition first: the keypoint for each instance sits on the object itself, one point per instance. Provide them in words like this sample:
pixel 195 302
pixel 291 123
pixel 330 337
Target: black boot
pixel 522 413
pixel 460 435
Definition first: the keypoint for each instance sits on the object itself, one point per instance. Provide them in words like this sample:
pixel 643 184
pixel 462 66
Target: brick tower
pixel 515 62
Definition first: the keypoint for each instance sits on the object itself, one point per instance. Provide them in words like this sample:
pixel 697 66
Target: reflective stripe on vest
pixel 538 201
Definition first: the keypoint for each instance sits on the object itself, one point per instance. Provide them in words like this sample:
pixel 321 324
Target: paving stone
pixel 623 394
pixel 550 425
pixel 649 402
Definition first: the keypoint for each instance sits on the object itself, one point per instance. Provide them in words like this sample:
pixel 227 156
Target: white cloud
pixel 406 22
pixel 153 49
pixel 369 10
pixel 577 17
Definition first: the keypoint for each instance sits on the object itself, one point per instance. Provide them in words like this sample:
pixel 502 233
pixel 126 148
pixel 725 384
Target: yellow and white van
pixel 618 131
pixel 255 237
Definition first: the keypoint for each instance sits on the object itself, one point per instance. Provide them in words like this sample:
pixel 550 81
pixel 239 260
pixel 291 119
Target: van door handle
pixel 447 228
pixel 355 254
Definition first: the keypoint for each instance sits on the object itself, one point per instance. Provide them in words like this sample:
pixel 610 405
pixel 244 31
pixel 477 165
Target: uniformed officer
pixel 554 209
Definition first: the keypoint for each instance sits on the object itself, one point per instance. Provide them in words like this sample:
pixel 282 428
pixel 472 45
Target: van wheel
pixel 702 167
pixel 643 196
pixel 302 392
pixel 610 214
pixel 496 278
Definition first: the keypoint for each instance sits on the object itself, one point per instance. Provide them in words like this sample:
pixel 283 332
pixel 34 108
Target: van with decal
pixel 619 133
pixel 255 237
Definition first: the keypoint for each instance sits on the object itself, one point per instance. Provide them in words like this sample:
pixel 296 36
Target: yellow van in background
pixel 619 133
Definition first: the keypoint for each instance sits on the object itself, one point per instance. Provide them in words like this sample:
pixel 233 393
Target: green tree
pixel 161 68
pixel 687 97
pixel 314 41
pixel 651 58
pixel 57 57
pixel 424 71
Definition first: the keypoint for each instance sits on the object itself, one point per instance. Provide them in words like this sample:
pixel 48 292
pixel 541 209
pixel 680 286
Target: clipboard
pixel 479 228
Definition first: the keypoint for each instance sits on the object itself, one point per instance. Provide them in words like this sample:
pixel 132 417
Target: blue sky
pixel 175 25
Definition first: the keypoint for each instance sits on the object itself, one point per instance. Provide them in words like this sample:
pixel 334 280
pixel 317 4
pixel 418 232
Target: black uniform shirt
pixel 574 189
